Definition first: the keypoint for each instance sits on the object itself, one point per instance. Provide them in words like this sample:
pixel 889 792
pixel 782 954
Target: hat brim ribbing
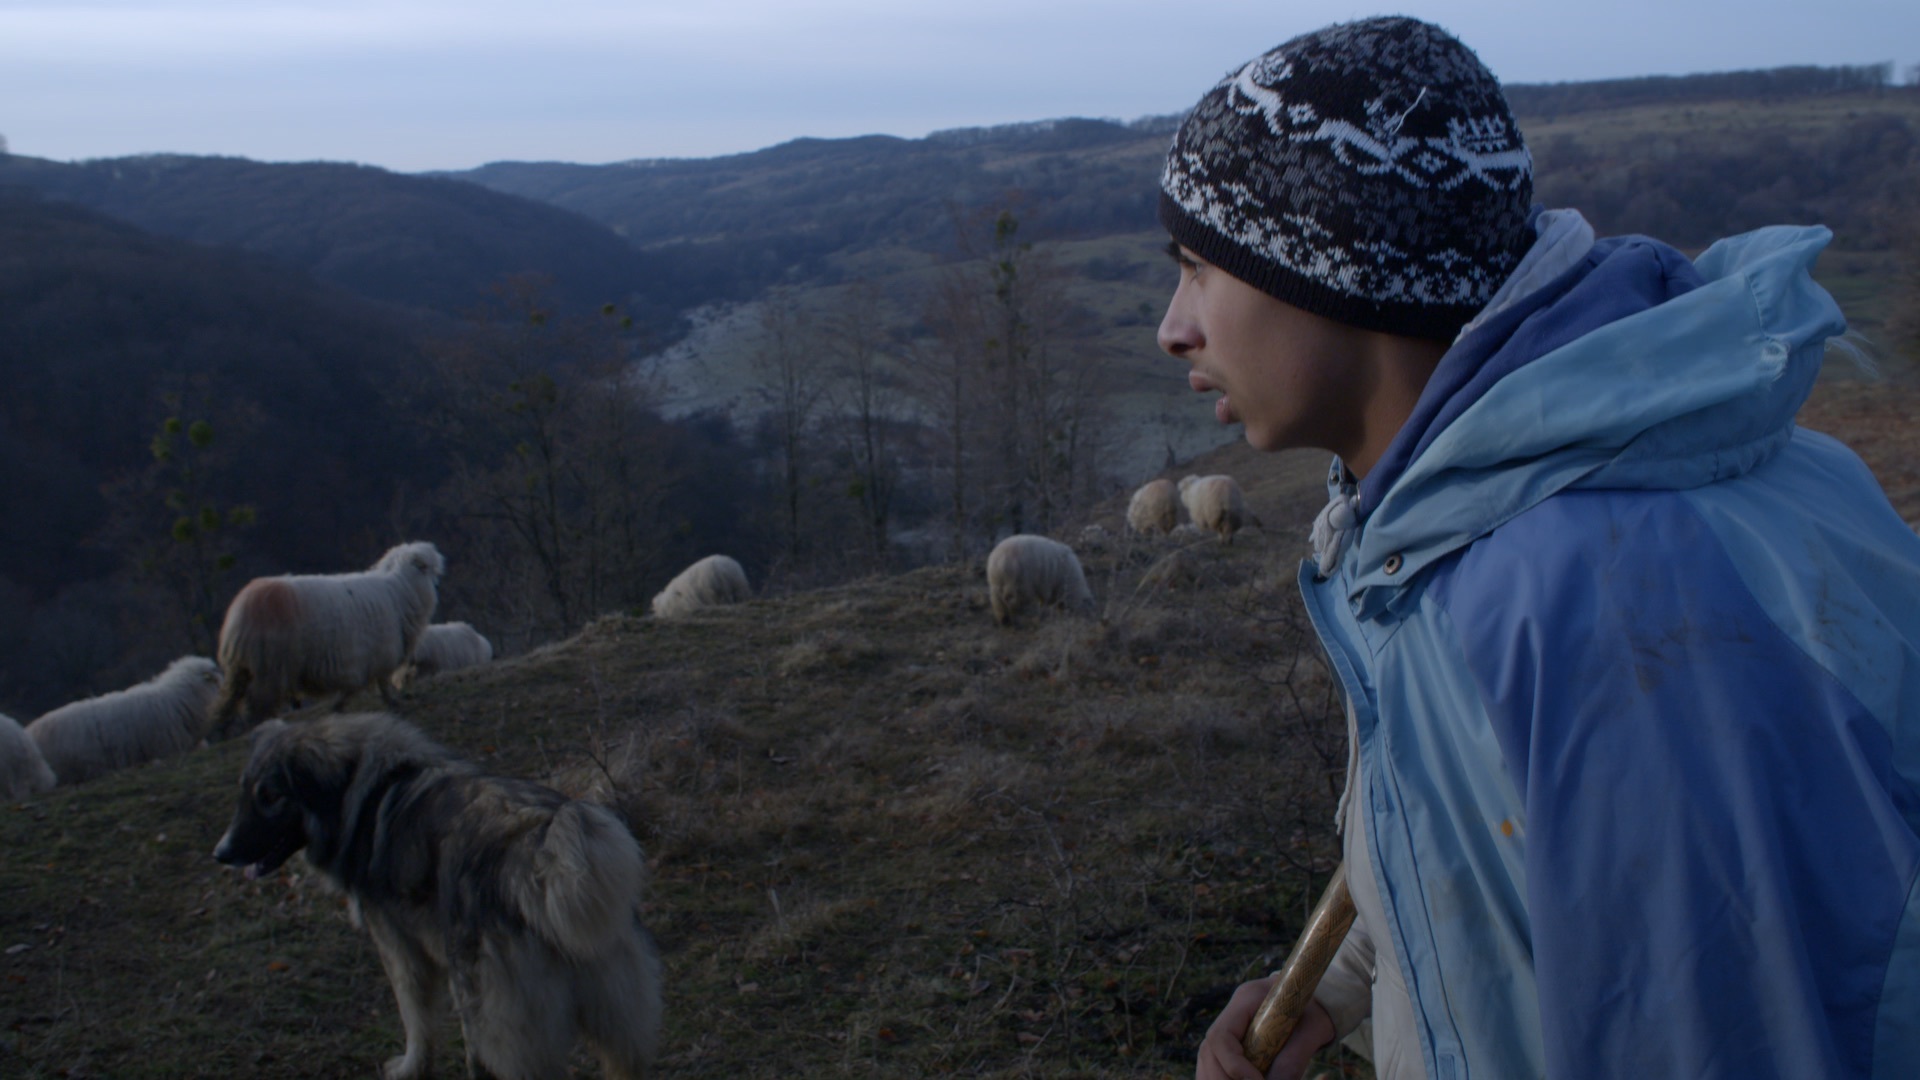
pixel 1436 322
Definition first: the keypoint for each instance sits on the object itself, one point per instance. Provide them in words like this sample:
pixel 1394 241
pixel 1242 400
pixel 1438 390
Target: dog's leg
pixel 620 1004
pixel 417 984
pixel 515 1000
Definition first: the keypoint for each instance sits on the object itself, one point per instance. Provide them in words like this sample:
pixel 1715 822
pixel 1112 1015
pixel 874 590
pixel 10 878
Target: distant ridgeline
pixel 1558 99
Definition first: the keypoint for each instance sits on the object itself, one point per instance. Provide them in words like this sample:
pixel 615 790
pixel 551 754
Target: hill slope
pixel 888 839
pixel 413 241
pixel 101 320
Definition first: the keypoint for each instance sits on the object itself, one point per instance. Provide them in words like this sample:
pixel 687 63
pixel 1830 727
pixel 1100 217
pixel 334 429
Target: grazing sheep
pixel 166 715
pixel 444 647
pixel 1216 504
pixel 23 772
pixel 1033 570
pixel 325 633
pixel 1155 507
pixel 715 579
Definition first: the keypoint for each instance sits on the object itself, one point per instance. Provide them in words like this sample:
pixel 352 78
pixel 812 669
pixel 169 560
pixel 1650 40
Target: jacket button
pixel 1392 565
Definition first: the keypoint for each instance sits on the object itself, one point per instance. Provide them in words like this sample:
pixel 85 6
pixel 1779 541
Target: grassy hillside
pixel 888 838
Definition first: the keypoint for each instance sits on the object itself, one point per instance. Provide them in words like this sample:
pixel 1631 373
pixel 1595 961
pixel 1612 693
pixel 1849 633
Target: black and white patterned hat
pixel 1369 172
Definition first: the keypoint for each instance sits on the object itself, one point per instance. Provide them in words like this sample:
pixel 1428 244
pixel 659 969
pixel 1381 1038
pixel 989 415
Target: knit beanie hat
pixel 1369 172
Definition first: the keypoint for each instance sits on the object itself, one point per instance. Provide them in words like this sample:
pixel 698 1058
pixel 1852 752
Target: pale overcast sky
pixel 450 84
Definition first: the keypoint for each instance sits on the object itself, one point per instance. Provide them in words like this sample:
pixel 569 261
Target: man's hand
pixel 1222 1056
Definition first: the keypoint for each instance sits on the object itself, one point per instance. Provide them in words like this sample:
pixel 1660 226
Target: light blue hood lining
pixel 1695 389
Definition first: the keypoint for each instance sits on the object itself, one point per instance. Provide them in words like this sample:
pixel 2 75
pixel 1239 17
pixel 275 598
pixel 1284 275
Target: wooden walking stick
pixel 1294 984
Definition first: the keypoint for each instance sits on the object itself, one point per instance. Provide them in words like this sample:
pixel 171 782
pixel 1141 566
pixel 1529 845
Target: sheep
pixel 166 715
pixel 23 772
pixel 444 647
pixel 715 579
pixel 1215 503
pixel 1026 569
pixel 325 633
pixel 1155 507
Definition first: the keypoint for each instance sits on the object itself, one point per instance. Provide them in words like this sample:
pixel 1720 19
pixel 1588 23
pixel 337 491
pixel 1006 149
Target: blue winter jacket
pixel 1635 664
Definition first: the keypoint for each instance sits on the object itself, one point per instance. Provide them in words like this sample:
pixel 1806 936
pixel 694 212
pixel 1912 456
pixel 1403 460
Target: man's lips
pixel 1222 410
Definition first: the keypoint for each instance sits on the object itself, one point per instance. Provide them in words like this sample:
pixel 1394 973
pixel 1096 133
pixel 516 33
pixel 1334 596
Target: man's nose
pixel 1179 334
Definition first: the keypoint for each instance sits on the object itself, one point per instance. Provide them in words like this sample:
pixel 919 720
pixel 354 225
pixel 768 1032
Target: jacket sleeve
pixel 1718 852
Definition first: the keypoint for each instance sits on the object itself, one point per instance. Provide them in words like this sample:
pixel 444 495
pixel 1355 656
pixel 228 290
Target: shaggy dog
pixel 524 902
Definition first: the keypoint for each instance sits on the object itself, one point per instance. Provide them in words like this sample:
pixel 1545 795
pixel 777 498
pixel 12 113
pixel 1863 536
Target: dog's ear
pixel 261 741
pixel 311 772
pixel 314 773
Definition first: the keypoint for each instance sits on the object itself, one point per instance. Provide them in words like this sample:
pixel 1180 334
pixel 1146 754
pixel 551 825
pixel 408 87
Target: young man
pixel 1632 663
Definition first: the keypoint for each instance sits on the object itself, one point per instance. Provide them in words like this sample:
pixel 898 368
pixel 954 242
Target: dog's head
pixel 290 795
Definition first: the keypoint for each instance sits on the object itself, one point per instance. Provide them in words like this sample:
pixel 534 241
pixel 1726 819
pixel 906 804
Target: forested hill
pixel 176 417
pixel 739 222
pixel 102 322
pixel 1765 84
pixel 1689 158
pixel 414 241
pixel 871 190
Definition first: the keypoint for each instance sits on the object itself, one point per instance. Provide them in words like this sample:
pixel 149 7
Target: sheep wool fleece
pixel 1634 666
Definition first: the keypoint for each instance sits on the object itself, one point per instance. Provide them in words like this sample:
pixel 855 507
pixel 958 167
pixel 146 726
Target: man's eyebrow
pixel 1174 252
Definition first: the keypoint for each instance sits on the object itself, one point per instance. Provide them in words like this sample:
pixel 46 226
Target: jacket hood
pixel 1632 368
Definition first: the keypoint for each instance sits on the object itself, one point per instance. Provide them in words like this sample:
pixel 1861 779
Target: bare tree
pixel 946 377
pixel 553 488
pixel 792 384
pixel 867 399
pixel 173 523
pixel 1022 397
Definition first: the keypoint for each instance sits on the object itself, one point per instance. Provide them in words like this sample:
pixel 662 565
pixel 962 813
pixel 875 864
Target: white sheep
pixel 1215 503
pixel 444 647
pixel 715 579
pixel 23 772
pixel 1025 569
pixel 166 715
pixel 325 633
pixel 1155 507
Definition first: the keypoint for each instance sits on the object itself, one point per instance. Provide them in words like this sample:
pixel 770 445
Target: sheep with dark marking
pixel 1155 507
pixel 320 634
pixel 444 647
pixel 713 580
pixel 166 715
pixel 1025 571
pixel 1215 503
pixel 23 772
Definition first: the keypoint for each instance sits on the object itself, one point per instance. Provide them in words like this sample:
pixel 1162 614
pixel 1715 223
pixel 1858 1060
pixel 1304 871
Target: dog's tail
pixel 587 880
